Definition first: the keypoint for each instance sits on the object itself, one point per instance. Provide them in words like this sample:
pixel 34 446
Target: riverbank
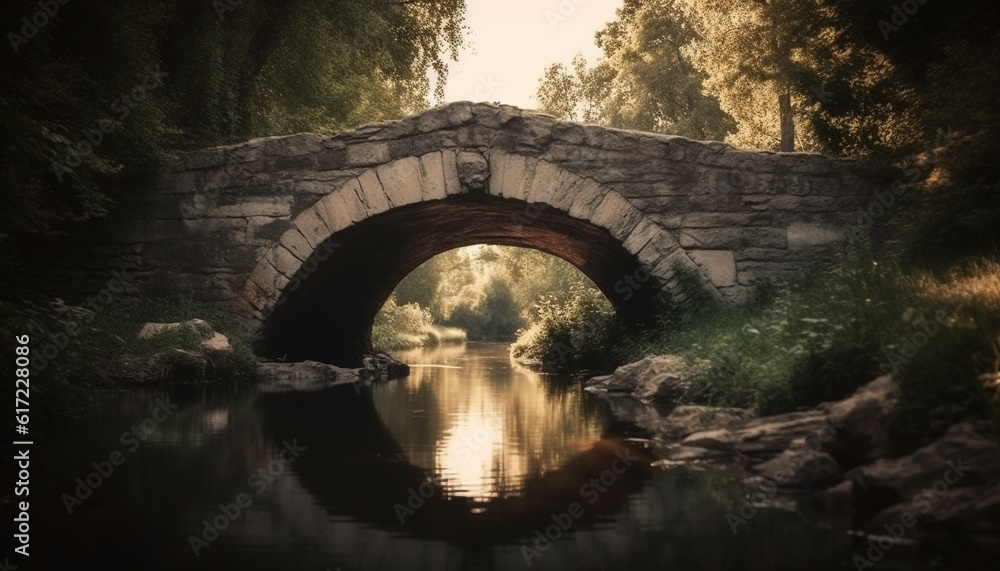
pixel 838 464
pixel 409 326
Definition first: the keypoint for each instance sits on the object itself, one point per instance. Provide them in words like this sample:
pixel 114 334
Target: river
pixel 473 462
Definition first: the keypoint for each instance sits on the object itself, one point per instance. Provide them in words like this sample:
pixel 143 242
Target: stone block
pixel 718 265
pixel 661 246
pixel 643 233
pixel 511 175
pixel 401 181
pixel 449 166
pixel 730 238
pixel 588 196
pixel 332 210
pixel 566 190
pixel 432 177
pixel 367 154
pixel 353 203
pixel 802 235
pixel 372 194
pixel 283 261
pixel 312 227
pixel 544 183
pixel 617 215
pixel 296 244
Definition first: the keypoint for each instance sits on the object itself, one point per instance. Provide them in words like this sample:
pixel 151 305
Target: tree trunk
pixel 787 124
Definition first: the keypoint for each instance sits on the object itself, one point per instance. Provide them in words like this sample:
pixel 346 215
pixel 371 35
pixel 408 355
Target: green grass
pixel 797 345
pixel 819 341
pixel 104 345
pixel 806 344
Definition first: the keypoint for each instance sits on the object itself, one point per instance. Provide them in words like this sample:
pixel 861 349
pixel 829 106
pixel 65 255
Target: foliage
pixel 645 81
pixel 846 94
pixel 407 326
pixel 715 69
pixel 818 341
pixel 957 373
pixel 496 318
pixel 813 343
pixel 580 332
pixel 262 68
pixel 99 345
pixel 488 291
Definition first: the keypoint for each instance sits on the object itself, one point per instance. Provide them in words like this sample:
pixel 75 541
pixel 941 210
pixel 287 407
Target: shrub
pixel 582 332
pixel 407 326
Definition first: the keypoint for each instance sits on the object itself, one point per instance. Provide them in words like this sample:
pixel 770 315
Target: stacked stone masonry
pixel 234 224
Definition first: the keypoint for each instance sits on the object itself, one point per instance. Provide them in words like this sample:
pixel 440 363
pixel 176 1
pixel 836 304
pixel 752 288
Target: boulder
pixel 217 348
pixel 972 513
pixel 851 431
pixel 662 378
pixel 967 455
pixel 800 466
pixel 275 377
pixel 179 365
pixel 380 366
pixel 765 437
pixel 201 328
pixel 945 492
pixel 279 377
pixel 862 422
pixel 685 420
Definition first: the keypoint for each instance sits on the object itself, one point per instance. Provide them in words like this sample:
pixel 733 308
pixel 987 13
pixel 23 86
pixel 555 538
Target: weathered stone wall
pixel 216 217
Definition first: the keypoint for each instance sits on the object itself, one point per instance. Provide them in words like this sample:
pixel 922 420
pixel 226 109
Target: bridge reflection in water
pixel 453 468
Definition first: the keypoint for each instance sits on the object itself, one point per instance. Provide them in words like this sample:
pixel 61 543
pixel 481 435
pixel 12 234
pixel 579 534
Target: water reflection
pixel 483 424
pixel 542 447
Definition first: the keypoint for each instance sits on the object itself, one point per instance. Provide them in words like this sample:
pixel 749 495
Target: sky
pixel 511 42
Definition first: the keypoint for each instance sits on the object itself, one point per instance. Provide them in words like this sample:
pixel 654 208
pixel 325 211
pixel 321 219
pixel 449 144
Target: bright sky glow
pixel 511 42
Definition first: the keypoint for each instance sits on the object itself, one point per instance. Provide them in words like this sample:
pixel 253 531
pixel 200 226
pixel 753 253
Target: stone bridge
pixel 310 234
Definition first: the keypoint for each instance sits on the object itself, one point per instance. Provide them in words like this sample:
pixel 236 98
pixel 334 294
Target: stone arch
pixel 590 221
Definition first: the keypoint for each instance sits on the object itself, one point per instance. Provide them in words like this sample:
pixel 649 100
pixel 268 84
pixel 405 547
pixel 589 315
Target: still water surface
pixel 467 464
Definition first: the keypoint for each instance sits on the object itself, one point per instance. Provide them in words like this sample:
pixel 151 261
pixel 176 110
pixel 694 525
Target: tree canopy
pixel 864 77
pixel 78 105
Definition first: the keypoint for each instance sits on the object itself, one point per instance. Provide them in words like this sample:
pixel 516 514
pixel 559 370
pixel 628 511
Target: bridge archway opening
pixel 326 311
pixel 488 292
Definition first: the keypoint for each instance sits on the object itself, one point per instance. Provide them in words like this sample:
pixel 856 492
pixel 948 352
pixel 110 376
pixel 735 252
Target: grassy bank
pixel 81 358
pixel 95 348
pixel 409 326
pixel 805 343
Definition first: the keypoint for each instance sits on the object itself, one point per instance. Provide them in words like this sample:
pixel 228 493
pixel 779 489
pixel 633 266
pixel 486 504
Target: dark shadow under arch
pixel 326 314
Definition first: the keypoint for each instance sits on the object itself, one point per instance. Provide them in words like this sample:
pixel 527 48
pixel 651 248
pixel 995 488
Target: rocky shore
pixel 838 462
pixel 211 360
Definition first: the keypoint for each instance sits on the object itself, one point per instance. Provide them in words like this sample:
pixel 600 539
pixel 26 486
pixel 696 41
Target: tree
pixel 644 81
pixel 844 93
pixel 229 71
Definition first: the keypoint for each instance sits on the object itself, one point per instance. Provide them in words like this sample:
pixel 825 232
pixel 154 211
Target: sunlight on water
pixel 491 421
